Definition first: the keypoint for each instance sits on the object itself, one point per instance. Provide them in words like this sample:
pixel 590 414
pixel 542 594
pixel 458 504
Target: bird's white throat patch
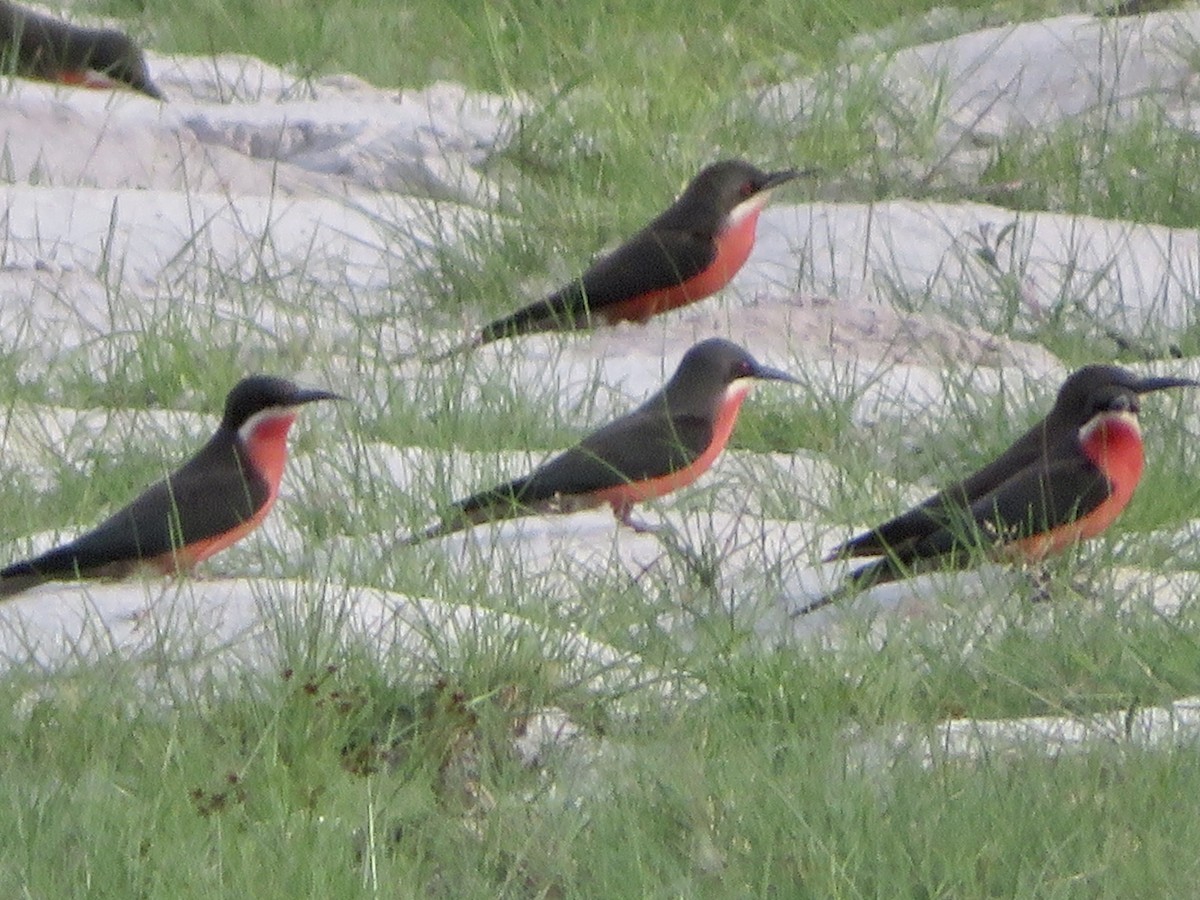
pixel 738 389
pixel 1125 417
pixel 748 207
pixel 271 413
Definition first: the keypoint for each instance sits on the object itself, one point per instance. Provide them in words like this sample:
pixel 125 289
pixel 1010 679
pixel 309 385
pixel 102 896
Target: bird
pixel 1063 481
pixel 33 45
pixel 687 253
pixel 215 499
pixel 663 445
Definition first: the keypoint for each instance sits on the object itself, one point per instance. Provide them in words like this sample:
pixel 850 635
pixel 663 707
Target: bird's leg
pixel 624 514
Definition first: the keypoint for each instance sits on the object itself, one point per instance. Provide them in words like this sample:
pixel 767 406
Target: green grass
pixel 1142 171
pixel 526 46
pixel 756 771
pixel 786 777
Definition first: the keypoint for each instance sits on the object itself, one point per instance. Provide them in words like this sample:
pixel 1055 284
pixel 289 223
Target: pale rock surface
pixel 236 126
pixel 1136 729
pixel 157 622
pixel 992 83
pixel 1140 280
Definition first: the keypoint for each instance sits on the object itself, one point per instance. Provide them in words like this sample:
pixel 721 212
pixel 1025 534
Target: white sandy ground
pixel 1025 76
pixel 123 215
pixel 247 621
pixel 1137 728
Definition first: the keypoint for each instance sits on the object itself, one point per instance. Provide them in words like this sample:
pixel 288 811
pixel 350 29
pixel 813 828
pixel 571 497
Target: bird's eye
pixel 1116 403
pixel 746 189
pixel 743 369
pixel 1121 403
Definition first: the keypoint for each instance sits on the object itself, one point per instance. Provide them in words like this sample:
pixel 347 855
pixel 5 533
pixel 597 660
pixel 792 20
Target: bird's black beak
pixel 1146 385
pixel 312 395
pixel 766 373
pixel 775 179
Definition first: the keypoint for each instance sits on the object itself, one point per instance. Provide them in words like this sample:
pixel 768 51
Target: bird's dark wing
pixel 925 519
pixel 1032 502
pixel 45 46
pixel 211 494
pixel 644 445
pixel 1035 501
pixel 652 260
pixel 639 447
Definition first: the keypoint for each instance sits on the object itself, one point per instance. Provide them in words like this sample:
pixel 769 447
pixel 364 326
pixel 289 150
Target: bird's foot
pixel 640 527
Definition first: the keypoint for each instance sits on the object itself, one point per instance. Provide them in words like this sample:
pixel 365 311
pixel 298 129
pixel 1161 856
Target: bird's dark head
pixel 1098 390
pixel 115 55
pixel 735 188
pixel 710 370
pixel 264 396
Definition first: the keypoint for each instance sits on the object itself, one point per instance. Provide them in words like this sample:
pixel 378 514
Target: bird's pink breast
pixel 266 447
pixel 733 249
pixel 1115 447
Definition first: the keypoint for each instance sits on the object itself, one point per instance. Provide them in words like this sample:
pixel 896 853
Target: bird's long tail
pixel 881 571
pixel 11 585
pixel 473 343
pixel 491 506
